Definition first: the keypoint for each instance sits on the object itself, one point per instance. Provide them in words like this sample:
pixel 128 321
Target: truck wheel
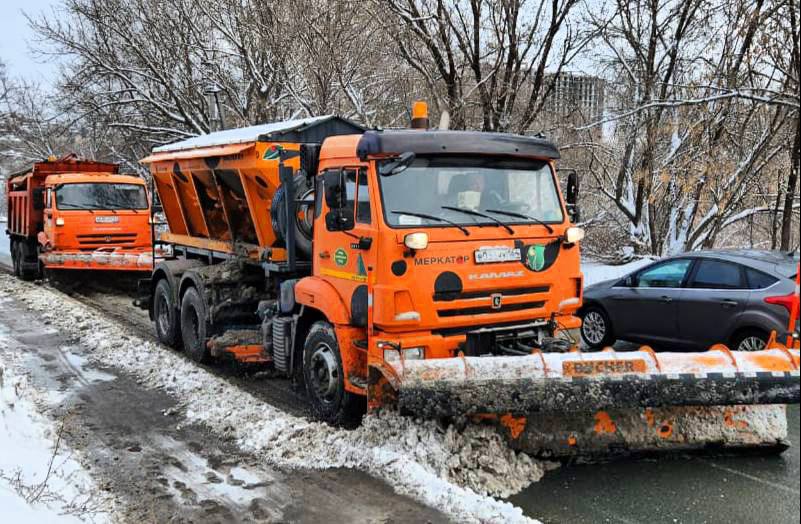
pixel 193 326
pixel 596 328
pixel 15 263
pixel 165 315
pixel 325 379
pixel 25 259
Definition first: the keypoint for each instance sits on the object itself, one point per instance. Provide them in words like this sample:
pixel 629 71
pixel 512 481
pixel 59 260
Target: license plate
pixel 589 368
pixel 106 220
pixel 497 254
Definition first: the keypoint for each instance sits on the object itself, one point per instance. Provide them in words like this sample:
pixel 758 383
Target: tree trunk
pixel 789 195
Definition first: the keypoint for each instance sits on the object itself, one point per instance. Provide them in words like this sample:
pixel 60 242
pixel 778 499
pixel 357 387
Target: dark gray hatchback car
pixel 695 300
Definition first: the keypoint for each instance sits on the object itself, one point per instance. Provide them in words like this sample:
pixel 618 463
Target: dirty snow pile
pixel 40 479
pixel 458 473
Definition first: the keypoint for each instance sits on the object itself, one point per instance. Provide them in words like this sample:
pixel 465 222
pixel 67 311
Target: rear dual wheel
pixel 166 315
pixel 194 328
pixel 15 262
pixel 20 255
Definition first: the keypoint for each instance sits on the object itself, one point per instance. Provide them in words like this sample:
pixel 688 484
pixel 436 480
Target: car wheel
pixel 596 328
pixel 325 380
pixel 750 340
pixel 193 326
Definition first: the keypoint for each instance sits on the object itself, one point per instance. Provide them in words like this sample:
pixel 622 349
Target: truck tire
pixel 193 326
pixel 304 218
pixel 166 315
pixel 325 379
pixel 15 262
pixel 25 259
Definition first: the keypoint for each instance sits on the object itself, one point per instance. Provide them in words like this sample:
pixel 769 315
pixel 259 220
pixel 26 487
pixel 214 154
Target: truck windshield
pixel 101 196
pixel 460 190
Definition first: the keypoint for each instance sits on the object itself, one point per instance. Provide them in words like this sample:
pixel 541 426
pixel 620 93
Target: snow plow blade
pixel 589 382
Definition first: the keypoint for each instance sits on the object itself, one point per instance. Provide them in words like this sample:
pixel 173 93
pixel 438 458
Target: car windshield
pixel 448 190
pixel 101 196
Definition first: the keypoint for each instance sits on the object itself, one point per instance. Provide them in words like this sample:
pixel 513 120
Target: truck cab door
pixel 343 254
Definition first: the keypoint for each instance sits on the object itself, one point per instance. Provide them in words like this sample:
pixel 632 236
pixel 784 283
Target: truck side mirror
pixel 339 216
pixel 571 196
pixel 37 196
pixel 335 195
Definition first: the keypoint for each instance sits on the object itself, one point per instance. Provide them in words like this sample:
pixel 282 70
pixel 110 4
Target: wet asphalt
pixel 671 489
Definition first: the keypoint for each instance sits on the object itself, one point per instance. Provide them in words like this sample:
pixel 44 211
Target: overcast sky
pixel 16 39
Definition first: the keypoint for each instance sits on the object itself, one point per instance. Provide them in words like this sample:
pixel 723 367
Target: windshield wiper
pixel 74 206
pixel 432 217
pixel 520 215
pixel 477 214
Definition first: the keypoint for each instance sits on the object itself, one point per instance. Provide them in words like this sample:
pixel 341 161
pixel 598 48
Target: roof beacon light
pixel 419 115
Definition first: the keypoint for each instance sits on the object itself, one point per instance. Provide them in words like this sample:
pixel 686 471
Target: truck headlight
pixel 393 355
pixel 59 221
pixel 573 235
pixel 416 241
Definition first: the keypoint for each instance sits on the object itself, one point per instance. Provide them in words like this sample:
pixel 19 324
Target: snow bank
pixel 455 472
pixel 28 493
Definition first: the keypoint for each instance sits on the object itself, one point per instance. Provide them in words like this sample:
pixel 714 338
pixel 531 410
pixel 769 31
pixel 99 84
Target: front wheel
pixel 325 379
pixel 596 329
pixel 193 326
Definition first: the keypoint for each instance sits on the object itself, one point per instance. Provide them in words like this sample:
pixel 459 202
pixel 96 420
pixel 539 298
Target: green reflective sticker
pixel 535 257
pixel 340 257
pixel 273 152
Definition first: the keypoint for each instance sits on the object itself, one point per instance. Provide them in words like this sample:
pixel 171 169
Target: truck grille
pixel 487 293
pixel 483 310
pixel 100 239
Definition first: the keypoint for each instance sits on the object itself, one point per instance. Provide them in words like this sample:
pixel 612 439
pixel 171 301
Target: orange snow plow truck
pixel 433 271
pixel 76 214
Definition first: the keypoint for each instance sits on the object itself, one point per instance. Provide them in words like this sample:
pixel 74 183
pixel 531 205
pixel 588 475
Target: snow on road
pixel 40 479
pixel 458 473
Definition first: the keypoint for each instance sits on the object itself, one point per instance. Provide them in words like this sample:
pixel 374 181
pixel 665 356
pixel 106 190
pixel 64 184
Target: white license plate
pixel 106 220
pixel 497 254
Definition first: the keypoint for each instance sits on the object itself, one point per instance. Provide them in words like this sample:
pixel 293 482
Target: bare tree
pixel 491 55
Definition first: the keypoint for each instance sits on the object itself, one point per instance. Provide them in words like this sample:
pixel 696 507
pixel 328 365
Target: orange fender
pixel 316 293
